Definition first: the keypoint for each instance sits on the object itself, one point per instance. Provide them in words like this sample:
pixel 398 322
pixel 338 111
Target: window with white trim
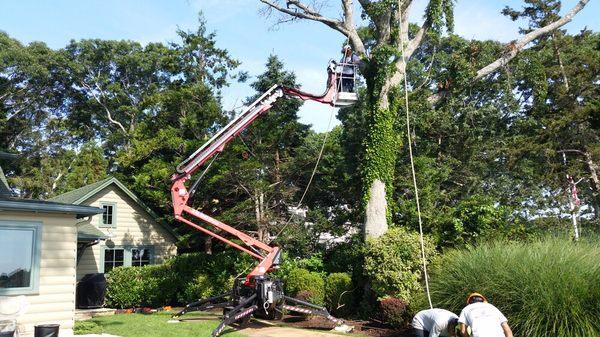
pixel 140 257
pixel 113 258
pixel 20 258
pixel 109 216
pixel 127 256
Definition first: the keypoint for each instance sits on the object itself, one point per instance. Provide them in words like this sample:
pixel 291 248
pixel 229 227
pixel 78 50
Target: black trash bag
pixel 91 291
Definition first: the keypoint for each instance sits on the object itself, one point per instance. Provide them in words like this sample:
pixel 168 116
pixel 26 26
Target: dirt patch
pixel 367 328
pixel 316 327
pixel 270 331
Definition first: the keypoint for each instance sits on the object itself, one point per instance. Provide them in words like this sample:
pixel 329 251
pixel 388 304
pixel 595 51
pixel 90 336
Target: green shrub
pixel 179 280
pixel 155 285
pixel 545 288
pixel 393 263
pixel 198 288
pixel 393 311
pixel 123 287
pixel 140 286
pixel 476 219
pixel 312 264
pixel 346 256
pixel 339 294
pixel 310 283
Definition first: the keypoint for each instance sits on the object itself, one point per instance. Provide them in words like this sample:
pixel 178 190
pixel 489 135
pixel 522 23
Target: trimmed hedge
pixel 545 288
pixel 339 294
pixel 393 263
pixel 306 284
pixel 180 280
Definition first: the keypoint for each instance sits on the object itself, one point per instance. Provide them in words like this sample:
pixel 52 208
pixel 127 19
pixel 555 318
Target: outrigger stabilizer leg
pixel 205 304
pixel 246 307
pixel 311 310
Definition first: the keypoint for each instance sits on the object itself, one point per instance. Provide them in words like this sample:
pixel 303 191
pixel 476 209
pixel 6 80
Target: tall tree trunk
pixel 380 147
pixel 259 213
pixel 277 174
pixel 595 183
pixel 555 44
pixel 208 245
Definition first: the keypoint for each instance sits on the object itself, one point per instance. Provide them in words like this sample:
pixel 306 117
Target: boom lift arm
pixel 257 294
pixel 267 255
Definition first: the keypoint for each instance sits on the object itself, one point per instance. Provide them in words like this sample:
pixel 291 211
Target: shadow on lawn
pixel 103 324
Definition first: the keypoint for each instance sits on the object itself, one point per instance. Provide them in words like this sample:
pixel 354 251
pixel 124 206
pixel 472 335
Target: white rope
pixel 414 176
pixel 314 171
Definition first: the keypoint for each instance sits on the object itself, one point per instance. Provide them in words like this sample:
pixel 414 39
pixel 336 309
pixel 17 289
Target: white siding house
pixel 38 250
pixel 128 232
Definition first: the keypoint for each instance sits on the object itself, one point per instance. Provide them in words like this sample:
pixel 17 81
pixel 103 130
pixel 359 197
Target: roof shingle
pixel 75 196
pixel 82 194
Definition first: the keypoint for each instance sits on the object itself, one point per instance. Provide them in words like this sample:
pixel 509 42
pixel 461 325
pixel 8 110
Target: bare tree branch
pixel 108 113
pixel 298 9
pixel 306 13
pixel 516 47
pixel 572 151
pixel 592 166
pixel 416 41
pixel 352 35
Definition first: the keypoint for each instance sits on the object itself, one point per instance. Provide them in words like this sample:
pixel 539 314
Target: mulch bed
pixel 369 328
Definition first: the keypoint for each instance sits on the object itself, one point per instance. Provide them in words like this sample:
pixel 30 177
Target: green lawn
pixel 154 325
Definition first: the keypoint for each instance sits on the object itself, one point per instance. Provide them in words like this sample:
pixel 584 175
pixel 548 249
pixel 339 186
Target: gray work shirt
pixel 354 59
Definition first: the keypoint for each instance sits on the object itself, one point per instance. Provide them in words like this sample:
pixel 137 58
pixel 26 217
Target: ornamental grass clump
pixel 546 288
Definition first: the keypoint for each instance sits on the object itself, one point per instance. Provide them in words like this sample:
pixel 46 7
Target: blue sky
pixel 304 47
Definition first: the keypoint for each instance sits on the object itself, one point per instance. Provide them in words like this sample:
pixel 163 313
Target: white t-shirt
pixel 433 320
pixel 484 319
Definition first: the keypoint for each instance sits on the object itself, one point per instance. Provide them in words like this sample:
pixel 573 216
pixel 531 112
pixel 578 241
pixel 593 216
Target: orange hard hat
pixel 472 295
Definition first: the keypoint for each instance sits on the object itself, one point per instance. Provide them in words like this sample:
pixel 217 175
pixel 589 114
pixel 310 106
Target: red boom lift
pixel 258 293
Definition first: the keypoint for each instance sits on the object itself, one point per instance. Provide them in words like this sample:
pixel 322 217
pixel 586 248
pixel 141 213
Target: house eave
pixel 38 206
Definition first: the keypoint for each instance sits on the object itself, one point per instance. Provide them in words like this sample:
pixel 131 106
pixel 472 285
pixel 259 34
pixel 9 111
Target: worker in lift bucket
pixel 349 60
pixel 434 323
pixel 483 319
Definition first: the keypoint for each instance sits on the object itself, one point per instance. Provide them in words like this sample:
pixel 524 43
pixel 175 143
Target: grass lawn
pixel 154 325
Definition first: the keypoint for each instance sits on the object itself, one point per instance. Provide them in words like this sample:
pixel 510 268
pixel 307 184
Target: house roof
pixel 84 193
pixel 4 187
pixel 31 205
pixel 88 232
pixel 5 190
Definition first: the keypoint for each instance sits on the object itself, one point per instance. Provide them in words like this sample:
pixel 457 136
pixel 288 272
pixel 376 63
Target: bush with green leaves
pixel 310 284
pixel 180 280
pixel 393 263
pixel 197 288
pixel 550 287
pixel 393 311
pixel 123 288
pixel 346 257
pixel 339 294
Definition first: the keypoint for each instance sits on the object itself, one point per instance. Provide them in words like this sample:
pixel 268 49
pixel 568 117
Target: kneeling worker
pixel 434 323
pixel 484 319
